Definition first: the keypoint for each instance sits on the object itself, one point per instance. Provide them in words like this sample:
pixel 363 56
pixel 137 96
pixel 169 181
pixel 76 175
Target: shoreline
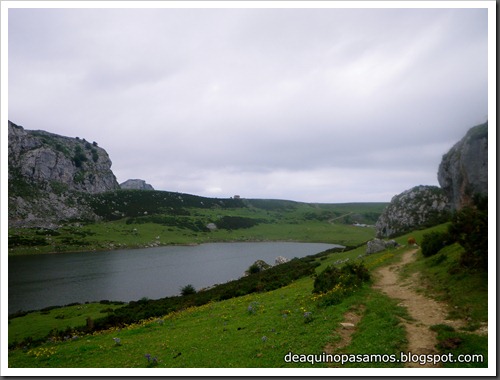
pixel 193 244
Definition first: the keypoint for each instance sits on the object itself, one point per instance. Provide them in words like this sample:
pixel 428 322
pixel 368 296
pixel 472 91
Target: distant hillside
pixel 144 204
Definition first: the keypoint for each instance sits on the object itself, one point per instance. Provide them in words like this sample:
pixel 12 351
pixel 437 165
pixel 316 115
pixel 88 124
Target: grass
pixel 380 330
pixel 39 323
pixel 221 334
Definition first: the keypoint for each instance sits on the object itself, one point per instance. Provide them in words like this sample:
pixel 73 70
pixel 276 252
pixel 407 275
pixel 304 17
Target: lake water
pixel 39 281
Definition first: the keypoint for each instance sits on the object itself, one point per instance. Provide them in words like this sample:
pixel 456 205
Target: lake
pixel 38 281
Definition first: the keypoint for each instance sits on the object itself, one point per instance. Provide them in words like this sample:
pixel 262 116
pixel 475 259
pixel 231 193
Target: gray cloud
pixel 326 105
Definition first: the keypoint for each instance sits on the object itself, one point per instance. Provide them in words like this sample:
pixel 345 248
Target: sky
pixel 324 105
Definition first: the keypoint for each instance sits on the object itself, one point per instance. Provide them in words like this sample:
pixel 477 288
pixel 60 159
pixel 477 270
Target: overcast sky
pixel 315 105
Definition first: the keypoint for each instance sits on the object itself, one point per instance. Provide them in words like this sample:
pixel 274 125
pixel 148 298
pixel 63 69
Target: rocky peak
pixel 50 176
pixel 463 171
pixel 136 184
pixel 49 159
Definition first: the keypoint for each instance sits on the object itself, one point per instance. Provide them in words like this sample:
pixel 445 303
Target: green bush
pixel 327 279
pixel 469 227
pixel 433 242
pixel 79 157
pixel 257 267
pixel 350 275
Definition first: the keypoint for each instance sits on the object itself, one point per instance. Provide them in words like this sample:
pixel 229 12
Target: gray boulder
pixel 378 245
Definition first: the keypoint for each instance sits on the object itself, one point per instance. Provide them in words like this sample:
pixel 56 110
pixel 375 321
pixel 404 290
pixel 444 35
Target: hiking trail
pixel 423 310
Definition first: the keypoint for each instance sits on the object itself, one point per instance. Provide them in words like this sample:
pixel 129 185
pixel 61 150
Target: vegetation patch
pixel 469 346
pixel 237 222
pixel 334 284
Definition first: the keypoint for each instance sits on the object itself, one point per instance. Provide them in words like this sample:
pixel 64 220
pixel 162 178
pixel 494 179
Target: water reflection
pixel 39 281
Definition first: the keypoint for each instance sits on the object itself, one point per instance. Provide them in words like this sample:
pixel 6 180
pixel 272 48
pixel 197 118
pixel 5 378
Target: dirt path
pixel 424 311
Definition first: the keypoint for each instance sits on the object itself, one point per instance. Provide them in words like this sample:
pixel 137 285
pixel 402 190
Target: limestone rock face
pixel 136 184
pixel 463 171
pixel 50 176
pixel 44 157
pixel 419 206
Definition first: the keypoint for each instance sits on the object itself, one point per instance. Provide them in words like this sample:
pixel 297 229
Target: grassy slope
pixel 226 334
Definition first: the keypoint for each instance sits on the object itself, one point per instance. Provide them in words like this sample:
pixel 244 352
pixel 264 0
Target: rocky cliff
pixel 463 171
pixel 136 184
pixel 419 206
pixel 47 158
pixel 49 176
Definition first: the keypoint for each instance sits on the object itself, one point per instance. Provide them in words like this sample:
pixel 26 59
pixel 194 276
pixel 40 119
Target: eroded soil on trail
pixel 423 311
pixel 347 328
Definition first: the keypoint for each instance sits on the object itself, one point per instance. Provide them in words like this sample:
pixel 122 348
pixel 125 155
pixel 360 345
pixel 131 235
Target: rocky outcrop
pixel 136 184
pixel 50 176
pixel 463 171
pixel 418 207
pixel 46 158
pixel 280 260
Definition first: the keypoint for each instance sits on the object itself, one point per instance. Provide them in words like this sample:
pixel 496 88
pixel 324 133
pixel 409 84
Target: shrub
pixel 254 268
pixel 79 157
pixel 350 275
pixel 257 267
pixel 469 227
pixel 433 242
pixel 326 280
pixel 187 290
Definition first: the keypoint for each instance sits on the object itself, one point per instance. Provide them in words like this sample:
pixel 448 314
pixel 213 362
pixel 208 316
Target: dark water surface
pixel 39 281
